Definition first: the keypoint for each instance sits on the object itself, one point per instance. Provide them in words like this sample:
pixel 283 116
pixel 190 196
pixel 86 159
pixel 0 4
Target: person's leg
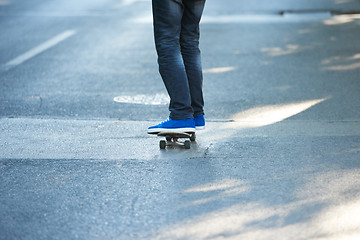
pixel 167 15
pixel 189 41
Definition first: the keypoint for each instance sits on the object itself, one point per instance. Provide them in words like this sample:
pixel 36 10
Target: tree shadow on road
pixel 290 186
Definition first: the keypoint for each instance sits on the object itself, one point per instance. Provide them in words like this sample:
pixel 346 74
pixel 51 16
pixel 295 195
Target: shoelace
pixel 164 121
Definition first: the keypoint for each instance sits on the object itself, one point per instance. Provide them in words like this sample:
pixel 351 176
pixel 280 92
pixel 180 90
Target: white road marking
pixel 157 99
pixel 41 48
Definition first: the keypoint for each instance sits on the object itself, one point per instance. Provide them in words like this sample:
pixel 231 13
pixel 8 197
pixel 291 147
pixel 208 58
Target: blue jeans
pixel 176 32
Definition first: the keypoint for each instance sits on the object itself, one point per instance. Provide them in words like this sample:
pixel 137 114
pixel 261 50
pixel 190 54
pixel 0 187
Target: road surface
pixel 280 156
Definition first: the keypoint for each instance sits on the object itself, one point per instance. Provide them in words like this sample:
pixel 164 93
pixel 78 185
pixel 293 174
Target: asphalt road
pixel 279 159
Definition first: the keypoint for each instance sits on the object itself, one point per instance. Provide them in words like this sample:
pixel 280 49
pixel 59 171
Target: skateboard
pixel 172 139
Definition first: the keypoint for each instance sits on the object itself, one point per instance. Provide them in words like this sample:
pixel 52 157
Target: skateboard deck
pixel 172 139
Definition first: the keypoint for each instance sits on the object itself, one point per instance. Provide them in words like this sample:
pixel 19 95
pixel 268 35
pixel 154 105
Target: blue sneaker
pixel 170 125
pixel 199 122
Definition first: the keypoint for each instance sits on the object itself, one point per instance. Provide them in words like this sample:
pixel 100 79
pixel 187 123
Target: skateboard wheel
pixel 162 144
pixel 193 137
pixel 187 144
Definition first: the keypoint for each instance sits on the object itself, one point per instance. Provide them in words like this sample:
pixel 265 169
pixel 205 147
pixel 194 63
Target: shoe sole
pixel 175 130
pixel 200 127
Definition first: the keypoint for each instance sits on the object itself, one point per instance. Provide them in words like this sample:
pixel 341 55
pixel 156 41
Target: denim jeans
pixel 176 33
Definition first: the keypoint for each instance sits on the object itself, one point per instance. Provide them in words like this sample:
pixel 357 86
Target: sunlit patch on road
pixel 259 117
pixel 218 190
pixel 279 51
pixel 270 114
pixel 342 63
pixel 4 3
pixel 225 184
pixel 219 70
pixel 125 3
pixel 342 19
pixel 256 220
pixel 342 1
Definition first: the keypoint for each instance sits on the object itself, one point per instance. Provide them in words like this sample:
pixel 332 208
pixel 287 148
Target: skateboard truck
pixel 172 139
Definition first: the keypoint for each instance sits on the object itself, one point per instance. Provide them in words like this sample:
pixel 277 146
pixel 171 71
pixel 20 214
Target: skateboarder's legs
pixel 189 42
pixel 176 31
